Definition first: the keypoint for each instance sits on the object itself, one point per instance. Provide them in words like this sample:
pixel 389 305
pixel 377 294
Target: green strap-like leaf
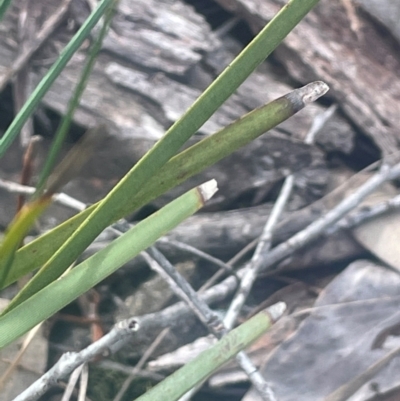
pixel 178 169
pixel 94 269
pixel 196 371
pixel 16 232
pixel 134 181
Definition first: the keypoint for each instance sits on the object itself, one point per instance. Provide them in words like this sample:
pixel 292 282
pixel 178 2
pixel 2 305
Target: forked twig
pixel 265 240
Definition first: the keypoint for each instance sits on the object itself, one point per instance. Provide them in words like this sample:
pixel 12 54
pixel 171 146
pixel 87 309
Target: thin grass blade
pixel 62 130
pixel 44 85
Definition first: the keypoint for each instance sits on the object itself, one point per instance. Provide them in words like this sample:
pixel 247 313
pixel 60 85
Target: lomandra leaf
pixel 17 321
pixel 194 372
pixel 123 201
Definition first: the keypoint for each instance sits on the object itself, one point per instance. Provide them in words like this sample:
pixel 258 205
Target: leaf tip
pixel 307 94
pixel 313 91
pixel 208 189
pixel 276 311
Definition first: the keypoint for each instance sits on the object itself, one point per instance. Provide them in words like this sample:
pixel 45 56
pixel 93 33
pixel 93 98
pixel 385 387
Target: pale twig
pixel 221 272
pixel 226 27
pixel 265 240
pixel 83 385
pixel 159 263
pixel 73 379
pixel 231 262
pixel 61 198
pixel 71 360
pixel 318 123
pixel 183 289
pixel 20 85
pixel 123 225
pixel 140 364
pixel 191 249
pixel 264 244
pixel 365 214
pixel 318 227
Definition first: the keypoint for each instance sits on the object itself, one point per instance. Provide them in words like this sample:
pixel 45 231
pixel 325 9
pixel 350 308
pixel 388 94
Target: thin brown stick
pixel 28 167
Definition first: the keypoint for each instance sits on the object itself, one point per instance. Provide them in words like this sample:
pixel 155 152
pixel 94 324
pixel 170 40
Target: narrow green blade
pixel 178 169
pixel 56 69
pixel 87 274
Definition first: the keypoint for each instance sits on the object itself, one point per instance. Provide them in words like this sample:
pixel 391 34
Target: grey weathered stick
pixel 83 384
pixel 25 30
pixel 319 121
pixel 71 360
pixel 316 228
pixel 264 244
pixel 119 336
pixel 365 214
pixel 188 248
pixel 183 289
pixel 60 198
